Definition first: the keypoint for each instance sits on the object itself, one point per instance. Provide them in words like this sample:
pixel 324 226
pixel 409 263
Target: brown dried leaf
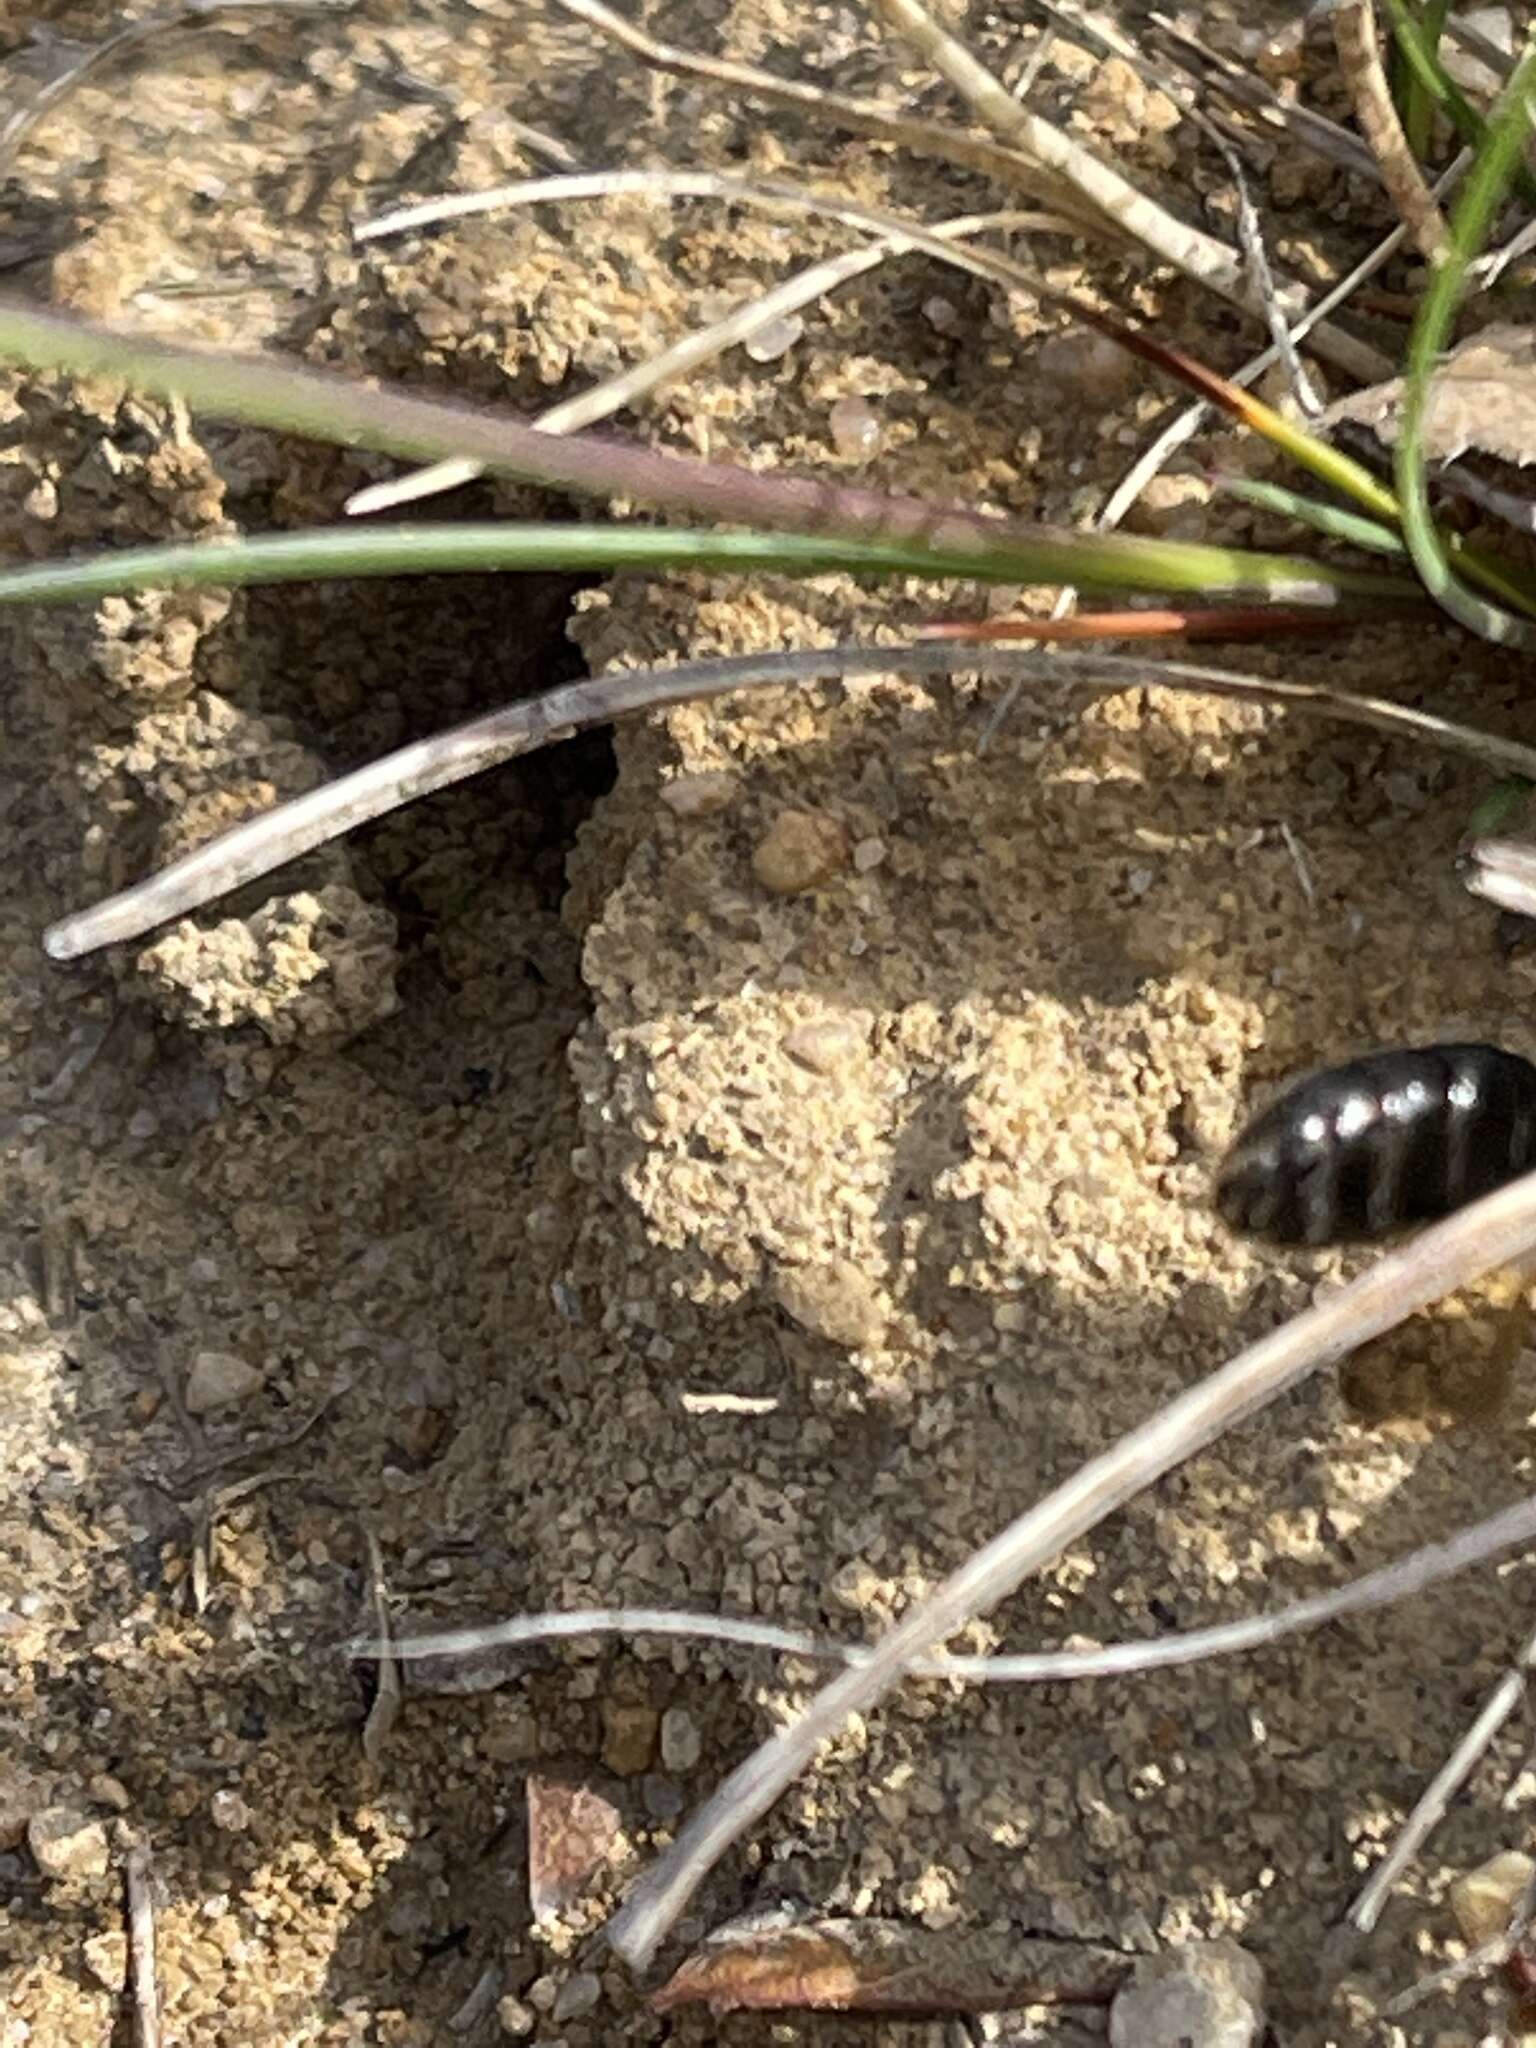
pixel 885 1966
pixel 1482 398
pixel 572 1834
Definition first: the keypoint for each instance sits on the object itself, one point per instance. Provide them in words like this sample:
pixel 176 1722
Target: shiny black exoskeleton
pixel 1395 1138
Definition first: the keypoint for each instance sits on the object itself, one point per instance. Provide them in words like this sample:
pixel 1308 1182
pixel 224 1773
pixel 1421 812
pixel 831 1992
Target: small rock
pixel 229 1812
pixel 106 1957
pixel 65 1844
pixel 837 1301
pixel 1087 366
pixel 699 796
pixel 799 850
pixel 218 1379
pixel 543 1992
pixel 827 1046
pixel 21 1796
pixel 1171 506
pixel 661 1796
pixel 577 1996
pixel 1484 1899
pixel 629 1736
pixel 109 1791
pixel 681 1743
pixel 855 428
pixel 572 1834
pixel 516 2020
pixel 868 854
pixel 1209 1994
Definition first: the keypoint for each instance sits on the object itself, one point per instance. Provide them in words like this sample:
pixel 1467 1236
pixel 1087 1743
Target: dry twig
pixel 627 386
pixel 1497 1231
pixel 1354 35
pixel 140 1879
pixel 1074 180
pixel 1437 1795
pixel 1409 1575
pixel 275 837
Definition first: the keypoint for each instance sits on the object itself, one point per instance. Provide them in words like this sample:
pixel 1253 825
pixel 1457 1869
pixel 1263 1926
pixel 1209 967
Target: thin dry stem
pixel 1504 872
pixel 628 386
pixel 1354 36
pixel 1195 254
pixel 1497 1231
pixel 142 1971
pixel 939 139
pixel 1304 125
pixel 1074 181
pixel 1409 1575
pixel 1436 1798
pixel 273 838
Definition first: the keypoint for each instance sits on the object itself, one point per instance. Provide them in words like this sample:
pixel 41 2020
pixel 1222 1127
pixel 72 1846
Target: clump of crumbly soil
pixel 736 1166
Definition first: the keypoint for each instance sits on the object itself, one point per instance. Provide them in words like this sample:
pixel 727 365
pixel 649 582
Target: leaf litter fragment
pixel 772 1964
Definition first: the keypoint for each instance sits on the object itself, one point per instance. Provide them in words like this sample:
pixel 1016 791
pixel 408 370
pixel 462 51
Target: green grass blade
pixel 1481 196
pixel 1331 520
pixel 1420 56
pixel 1090 561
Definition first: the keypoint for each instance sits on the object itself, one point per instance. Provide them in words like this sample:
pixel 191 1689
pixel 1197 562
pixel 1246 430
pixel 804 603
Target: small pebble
pixel 543 1992
pixel 65 1844
pixel 577 1996
pixel 1087 365
pixel 109 1791
pixel 701 795
pixel 855 429
pixel 774 338
pixel 629 1736
pixel 681 1743
pixel 1207 1994
pixel 662 1797
pixel 106 1957
pixel 218 1379
pixel 228 1811
pixel 516 2020
pixel 942 314
pixel 868 854
pixel 837 1301
pixel 825 1047
pixel 799 850
pixel 1484 1899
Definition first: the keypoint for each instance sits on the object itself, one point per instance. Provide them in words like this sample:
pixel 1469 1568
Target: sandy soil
pixel 501 1146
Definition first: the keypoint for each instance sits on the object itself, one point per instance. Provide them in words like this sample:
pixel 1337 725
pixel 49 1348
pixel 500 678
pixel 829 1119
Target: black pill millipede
pixel 1361 1151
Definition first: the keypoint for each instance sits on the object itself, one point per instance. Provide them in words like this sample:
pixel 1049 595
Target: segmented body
pixel 1363 1150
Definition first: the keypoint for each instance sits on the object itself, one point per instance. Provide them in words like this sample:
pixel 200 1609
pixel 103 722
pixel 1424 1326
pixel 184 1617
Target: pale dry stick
pixel 195 12
pixel 1189 250
pixel 385 1710
pixel 1504 872
pixel 872 118
pixel 1304 125
pixel 1436 1798
pixel 767 194
pixel 140 1885
pixel 1496 1231
pixel 623 389
pixel 1354 38
pixel 1488 1955
pixel 1412 1574
pixel 1250 235
pixel 273 838
pixel 1035 63
pixel 1184 426
pixel 1114 206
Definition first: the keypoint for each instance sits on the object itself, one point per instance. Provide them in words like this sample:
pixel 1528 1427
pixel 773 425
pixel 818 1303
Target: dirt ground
pixel 580 1218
